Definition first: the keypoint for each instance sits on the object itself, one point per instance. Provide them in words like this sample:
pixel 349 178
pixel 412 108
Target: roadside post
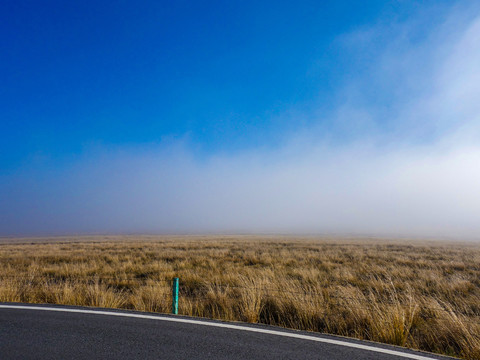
pixel 175 296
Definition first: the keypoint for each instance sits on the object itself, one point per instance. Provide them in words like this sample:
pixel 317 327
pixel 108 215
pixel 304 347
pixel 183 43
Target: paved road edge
pixel 161 317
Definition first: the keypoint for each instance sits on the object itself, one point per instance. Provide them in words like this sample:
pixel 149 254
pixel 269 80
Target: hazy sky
pixel 314 117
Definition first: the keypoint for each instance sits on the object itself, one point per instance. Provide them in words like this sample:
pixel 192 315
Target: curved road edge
pixel 256 328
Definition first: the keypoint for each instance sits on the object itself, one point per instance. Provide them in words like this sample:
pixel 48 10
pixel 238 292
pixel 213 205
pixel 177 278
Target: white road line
pixel 222 325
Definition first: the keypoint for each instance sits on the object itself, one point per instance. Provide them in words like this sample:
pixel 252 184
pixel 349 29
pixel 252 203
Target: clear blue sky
pixel 240 116
pixel 115 72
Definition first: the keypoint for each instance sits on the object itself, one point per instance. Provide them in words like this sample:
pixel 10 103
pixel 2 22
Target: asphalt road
pixel 58 332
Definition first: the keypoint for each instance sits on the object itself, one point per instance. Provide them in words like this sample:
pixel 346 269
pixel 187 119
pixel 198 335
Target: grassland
pixel 423 295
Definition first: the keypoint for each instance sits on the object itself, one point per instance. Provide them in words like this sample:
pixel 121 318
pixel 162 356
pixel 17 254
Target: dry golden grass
pixel 423 295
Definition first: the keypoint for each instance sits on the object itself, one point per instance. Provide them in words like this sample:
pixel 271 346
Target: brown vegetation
pixel 420 295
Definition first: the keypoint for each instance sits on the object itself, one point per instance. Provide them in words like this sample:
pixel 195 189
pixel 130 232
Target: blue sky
pixel 169 116
pixel 221 73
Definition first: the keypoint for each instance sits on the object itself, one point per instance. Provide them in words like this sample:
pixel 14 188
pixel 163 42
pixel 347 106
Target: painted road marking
pixel 222 325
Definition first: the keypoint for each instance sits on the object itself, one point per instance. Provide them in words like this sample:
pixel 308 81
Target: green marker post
pixel 175 296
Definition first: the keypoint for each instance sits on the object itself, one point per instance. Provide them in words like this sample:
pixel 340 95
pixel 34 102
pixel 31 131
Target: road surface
pixel 60 332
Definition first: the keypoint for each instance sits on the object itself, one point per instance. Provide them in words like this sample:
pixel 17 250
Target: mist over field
pixel 396 153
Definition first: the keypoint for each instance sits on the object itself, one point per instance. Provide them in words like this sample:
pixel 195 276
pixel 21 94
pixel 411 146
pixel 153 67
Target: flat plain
pixel 420 294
